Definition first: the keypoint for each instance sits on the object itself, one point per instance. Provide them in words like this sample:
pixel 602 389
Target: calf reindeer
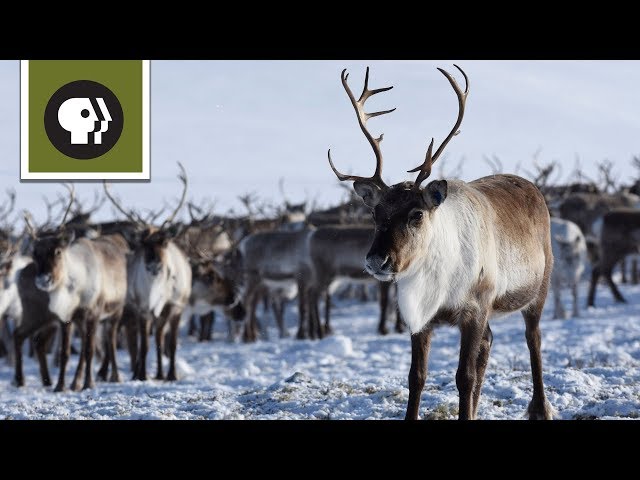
pixel 87 276
pixel 460 253
pixel 159 285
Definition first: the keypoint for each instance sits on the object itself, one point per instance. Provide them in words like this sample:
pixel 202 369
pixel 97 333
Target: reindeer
pixel 213 288
pixel 570 254
pixel 459 255
pixel 337 255
pixel 202 240
pixel 159 284
pixel 88 276
pixel 620 236
pixel 278 261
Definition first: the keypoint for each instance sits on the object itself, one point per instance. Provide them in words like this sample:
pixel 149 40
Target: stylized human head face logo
pixel 83 119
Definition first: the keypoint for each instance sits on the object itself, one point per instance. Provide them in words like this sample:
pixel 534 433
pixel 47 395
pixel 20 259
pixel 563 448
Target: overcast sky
pixel 238 126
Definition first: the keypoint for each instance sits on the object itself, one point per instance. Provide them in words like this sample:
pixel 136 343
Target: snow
pixel 591 370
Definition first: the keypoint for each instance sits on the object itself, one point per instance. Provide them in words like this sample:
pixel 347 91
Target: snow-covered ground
pixel 591 370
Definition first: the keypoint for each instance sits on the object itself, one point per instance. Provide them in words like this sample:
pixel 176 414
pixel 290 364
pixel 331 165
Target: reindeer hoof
pixel 74 387
pixel 102 376
pixel 540 411
pixel 172 377
pixel 383 331
pixel 18 382
pixel 114 379
pixel 400 329
pixel 301 335
pixel 46 382
pixel 159 376
pixel 88 385
pixel 59 388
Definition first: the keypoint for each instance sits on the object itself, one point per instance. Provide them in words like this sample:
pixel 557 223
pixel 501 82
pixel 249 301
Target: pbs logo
pixel 83 119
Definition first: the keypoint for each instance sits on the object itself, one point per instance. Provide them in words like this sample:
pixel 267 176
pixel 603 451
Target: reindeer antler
pixel 182 176
pixel 425 168
pixel 130 215
pixel 358 106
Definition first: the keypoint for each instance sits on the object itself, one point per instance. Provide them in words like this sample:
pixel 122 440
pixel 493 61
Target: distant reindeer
pixel 459 255
pixel 337 255
pixel 619 237
pixel 570 254
pixel 88 276
pixel 159 284
pixel 278 261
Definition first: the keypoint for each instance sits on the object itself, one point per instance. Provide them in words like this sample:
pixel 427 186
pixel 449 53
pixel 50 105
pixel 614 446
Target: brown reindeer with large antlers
pixel 159 283
pixel 461 253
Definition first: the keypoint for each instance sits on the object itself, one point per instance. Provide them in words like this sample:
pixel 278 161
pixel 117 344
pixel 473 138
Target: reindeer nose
pixel 376 263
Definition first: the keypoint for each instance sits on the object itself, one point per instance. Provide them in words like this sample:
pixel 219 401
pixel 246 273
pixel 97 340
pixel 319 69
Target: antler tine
pixel 425 170
pixel 363 116
pixel 182 176
pixel 27 221
pixel 72 196
pixel 135 219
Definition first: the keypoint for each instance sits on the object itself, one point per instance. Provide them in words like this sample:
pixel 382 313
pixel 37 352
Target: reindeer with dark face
pixel 460 253
pixel 88 276
pixel 159 285
pixel 213 288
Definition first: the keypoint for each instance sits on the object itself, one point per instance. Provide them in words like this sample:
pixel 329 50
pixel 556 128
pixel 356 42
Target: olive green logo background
pixel 123 77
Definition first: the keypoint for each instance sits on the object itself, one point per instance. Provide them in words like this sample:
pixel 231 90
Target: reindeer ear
pixel 435 193
pixel 369 192
pixel 68 238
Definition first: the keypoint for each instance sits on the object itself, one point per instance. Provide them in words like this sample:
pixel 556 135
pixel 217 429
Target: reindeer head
pixel 403 213
pixel 49 248
pixel 149 240
pixel 209 283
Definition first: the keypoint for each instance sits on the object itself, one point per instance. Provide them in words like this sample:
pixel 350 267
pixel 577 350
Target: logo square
pixel 84 120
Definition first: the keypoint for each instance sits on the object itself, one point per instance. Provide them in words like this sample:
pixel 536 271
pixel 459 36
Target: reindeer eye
pixel 416 217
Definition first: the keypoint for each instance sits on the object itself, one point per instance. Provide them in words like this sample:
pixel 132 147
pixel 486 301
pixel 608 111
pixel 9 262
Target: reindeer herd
pixel 449 252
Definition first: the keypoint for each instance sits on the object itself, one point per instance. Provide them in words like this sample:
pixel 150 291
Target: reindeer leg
pixel 472 328
pixel 539 408
pixel 131 328
pixel 327 312
pixel 623 269
pixel 113 340
pixel 65 351
pixel 90 337
pixel 302 312
pixel 174 322
pixel 193 327
pixel 159 325
pixel 211 319
pixel 384 301
pixel 75 383
pixel 400 327
pixel 481 366
pixel 106 355
pixel 41 342
pixel 614 289
pixel 145 327
pixel 18 340
pixel 420 344
pixel 574 294
pixel 595 275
